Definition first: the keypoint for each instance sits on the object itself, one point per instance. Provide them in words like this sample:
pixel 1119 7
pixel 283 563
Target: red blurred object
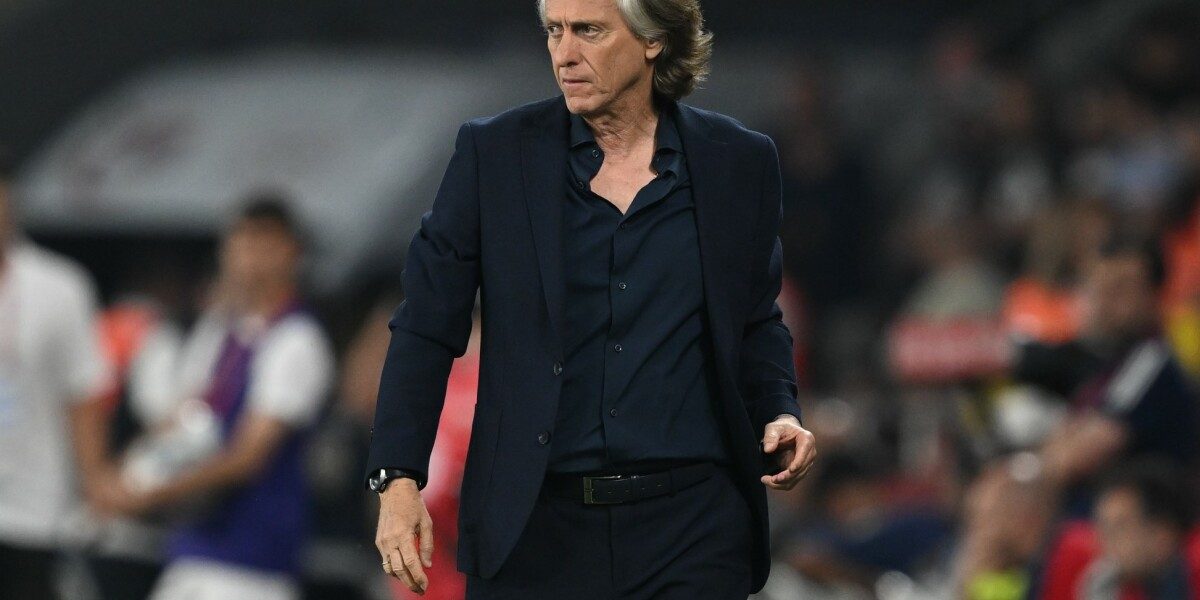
pixel 122 330
pixel 1075 549
pixel 931 351
pixel 1181 249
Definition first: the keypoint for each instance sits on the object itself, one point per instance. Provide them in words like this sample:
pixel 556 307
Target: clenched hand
pixel 796 450
pixel 404 537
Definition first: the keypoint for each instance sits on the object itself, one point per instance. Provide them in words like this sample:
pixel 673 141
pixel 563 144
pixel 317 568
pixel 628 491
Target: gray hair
pixel 679 26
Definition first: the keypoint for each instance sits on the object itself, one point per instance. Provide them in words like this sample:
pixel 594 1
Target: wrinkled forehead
pixel 579 10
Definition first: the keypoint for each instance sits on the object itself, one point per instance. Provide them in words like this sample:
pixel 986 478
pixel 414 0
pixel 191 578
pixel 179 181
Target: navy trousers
pixel 693 544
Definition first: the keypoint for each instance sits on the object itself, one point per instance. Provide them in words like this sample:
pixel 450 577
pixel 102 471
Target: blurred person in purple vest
pixel 258 367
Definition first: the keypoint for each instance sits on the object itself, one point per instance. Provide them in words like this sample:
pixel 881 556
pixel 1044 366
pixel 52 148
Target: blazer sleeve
pixel 767 373
pixel 432 326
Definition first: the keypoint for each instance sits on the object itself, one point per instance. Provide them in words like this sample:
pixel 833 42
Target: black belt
pixel 615 489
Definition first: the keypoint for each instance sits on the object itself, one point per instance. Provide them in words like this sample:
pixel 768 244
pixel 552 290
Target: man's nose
pixel 566 52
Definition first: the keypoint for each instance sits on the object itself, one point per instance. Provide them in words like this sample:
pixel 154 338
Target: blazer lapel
pixel 709 170
pixel 544 172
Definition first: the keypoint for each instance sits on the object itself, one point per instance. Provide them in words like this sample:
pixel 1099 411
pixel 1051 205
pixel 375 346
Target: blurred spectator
pixel 52 382
pixel 1143 545
pixel 1130 399
pixel 1143 516
pixel 1135 398
pixel 262 366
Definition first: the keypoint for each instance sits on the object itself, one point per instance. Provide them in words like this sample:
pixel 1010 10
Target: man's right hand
pixel 405 526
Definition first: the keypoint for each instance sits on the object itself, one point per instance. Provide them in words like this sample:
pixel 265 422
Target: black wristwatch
pixel 381 478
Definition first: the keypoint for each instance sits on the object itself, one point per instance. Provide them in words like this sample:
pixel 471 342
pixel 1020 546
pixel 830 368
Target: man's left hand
pixel 795 448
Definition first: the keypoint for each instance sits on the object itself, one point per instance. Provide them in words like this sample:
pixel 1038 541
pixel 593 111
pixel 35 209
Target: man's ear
pixel 653 49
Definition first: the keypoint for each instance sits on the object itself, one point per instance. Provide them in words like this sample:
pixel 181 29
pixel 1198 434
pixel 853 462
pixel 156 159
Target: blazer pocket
pixel 481 457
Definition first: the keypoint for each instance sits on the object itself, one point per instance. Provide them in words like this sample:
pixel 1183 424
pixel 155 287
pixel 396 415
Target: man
pixel 262 366
pixel 52 381
pixel 1130 399
pixel 1143 516
pixel 625 249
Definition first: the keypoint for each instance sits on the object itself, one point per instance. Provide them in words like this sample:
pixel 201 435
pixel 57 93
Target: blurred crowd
pixel 994 292
pixel 997 305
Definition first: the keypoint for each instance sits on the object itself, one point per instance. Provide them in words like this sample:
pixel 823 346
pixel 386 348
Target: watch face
pixel 376 482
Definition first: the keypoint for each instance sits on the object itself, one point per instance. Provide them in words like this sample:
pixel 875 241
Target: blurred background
pixel 991 240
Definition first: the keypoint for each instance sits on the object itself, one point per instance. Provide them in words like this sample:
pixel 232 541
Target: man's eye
pixel 553 30
pixel 591 30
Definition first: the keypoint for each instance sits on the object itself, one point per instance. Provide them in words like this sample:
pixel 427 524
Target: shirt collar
pixel 666 134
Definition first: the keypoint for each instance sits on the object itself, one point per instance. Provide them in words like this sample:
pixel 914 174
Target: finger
pixel 427 542
pixel 769 481
pixel 794 478
pixel 783 459
pixel 803 472
pixel 770 438
pixel 796 461
pixel 810 455
pixel 784 479
pixel 412 563
pixel 398 570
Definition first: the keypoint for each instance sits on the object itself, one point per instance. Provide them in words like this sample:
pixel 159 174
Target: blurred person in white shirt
pixel 52 425
pixel 257 366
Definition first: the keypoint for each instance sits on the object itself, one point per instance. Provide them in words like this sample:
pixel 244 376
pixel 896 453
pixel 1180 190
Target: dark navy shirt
pixel 639 380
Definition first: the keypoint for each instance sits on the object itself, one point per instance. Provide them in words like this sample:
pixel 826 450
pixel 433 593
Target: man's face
pixel 259 250
pixel 596 58
pixel 1139 547
pixel 1121 297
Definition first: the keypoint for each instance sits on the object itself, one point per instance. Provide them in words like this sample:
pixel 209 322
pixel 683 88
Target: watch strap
pixel 379 481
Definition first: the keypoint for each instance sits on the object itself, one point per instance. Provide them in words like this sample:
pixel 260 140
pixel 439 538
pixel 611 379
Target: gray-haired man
pixel 634 367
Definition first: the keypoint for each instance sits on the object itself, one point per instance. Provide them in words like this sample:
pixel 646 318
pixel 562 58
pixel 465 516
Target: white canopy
pixel 359 140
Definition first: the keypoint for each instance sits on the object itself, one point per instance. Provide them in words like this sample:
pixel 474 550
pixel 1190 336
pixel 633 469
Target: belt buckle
pixel 588 498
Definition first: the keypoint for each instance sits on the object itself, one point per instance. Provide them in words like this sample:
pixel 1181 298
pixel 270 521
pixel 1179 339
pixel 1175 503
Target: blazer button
pixel 543 438
pixel 557 368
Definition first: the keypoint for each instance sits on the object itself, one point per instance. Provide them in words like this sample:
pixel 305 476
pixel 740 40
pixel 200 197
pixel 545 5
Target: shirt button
pixel 617 347
pixel 621 226
pixel 622 285
pixel 612 412
pixel 579 182
pixel 595 154
pixel 557 368
pixel 543 438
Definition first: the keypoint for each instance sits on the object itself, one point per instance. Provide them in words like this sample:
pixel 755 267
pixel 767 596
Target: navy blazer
pixel 496 227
